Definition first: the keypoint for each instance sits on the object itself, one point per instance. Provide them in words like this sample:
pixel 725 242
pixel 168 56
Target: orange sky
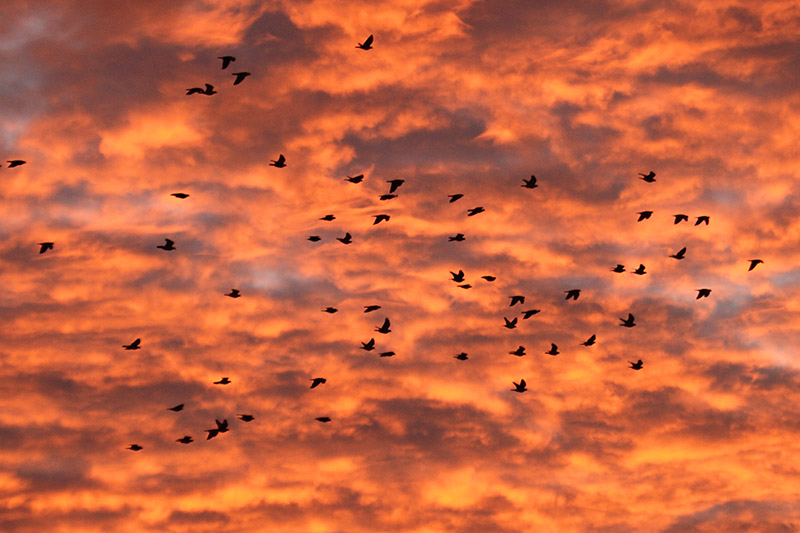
pixel 462 97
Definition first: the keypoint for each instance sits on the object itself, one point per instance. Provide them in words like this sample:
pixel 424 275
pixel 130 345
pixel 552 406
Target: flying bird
pixel 323 419
pixel 637 365
pixel 380 218
pixel 212 433
pixel 529 313
pixel 384 328
pixel 315 238
pixel 135 345
pixel 519 352
pixel 240 76
pixel 246 418
pixel 15 163
pixel 234 293
pixel 366 45
pixel 649 178
pixel 457 277
pixel 459 237
pixel 226 60
pixel 386 354
pixel 208 91
pixel 385 197
pixel 573 293
pixel 223 381
pixel 702 219
pixel 465 286
pixel 489 278
pixel 347 239
pixel 703 293
pixel 516 300
pixel 510 324
pixel 222 427
pixel 168 245
pixel 279 163
pixel 628 323
pixel 553 349
pixel 394 184
pixel 475 211
pixel 369 345
pixel 644 215
pixel 316 382
pixel 186 439
pixel 590 341
pixel 355 179
pixel 754 263
pixel 461 357
pixel 328 218
pixel 529 184
pixel 177 408
pixel 680 218
pixel 181 195
pixel 454 197
pixel 134 447
pixel 329 310
pixel 44 246
pixel 639 270
pixel 618 268
pixel 370 308
pixel 519 387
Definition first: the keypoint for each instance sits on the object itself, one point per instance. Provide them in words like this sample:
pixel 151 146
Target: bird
pixel 212 433
pixel 370 308
pixel 222 427
pixel 510 324
pixel 323 419
pixel 328 218
pixel 181 195
pixel 516 300
pixel 177 408
pixel 465 286
pixel 386 354
pixel 649 178
pixel 553 349
pixel 135 345
pixel 134 447
pixel 701 219
pixel 680 218
pixel 385 197
pixel 15 163
pixel 329 310
pixel 628 323
pixel 637 365
pixel 315 238
pixel 754 263
pixel 461 357
pixel 644 215
pixel 519 387
pixel 458 277
pixel 703 293
pixel 529 313
pixel 394 184
pixel 208 91
pixel 366 45
pixel 234 293
pixel 347 239
pixel 240 76
pixel 369 345
pixel 355 179
pixel 618 268
pixel 223 381
pixel 489 278
pixel 226 60
pixel 380 218
pixel 573 293
pixel 457 238
pixel 384 328
pixel 44 246
pixel 639 270
pixel 680 253
pixel 529 184
pixel 168 245
pixel 519 352
pixel 186 439
pixel 246 418
pixel 590 341
pixel 475 211
pixel 315 382
pixel 454 197
pixel 279 163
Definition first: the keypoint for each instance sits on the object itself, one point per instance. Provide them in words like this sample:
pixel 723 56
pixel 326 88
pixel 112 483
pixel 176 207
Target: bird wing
pixel 368 42
pixel 169 242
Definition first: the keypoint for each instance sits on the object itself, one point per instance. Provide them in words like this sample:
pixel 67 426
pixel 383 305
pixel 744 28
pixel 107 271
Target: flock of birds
pixel 457 277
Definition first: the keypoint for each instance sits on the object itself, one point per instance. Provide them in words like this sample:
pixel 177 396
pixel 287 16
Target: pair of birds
pixel 367 309
pixel 209 89
pixel 621 268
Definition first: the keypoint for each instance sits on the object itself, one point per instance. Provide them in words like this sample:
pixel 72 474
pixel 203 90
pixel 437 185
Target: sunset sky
pixel 462 96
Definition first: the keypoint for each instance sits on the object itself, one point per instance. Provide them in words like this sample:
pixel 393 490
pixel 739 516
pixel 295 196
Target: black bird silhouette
pixel 315 238
pixel 618 268
pixel 280 162
pixel 489 278
pixel 384 328
pixel 223 381
pixel 394 184
pixel 680 255
pixel 367 44
pixel 386 354
pixel 573 293
pixel 637 365
pixel 315 382
pixel 380 218
pixel 553 350
pixel 644 215
pixel 385 197
pixel 208 91
pixel 186 439
pixel 323 419
pixel 702 219
pixel 649 178
pixel 516 300
pixel 15 163
pixel 134 447
pixel 234 293
pixel 457 277
pixel 369 345
pixel 680 218
pixel 211 433
pixel 222 427
pixel 510 324
pixel 754 263
pixel 135 345
pixel 370 308
pixel 529 313
pixel 330 310
pixel 462 356
pixel 590 341
pixel 454 197
pixel 328 218
pixel 457 238
pixel 181 195
pixel 628 323
pixel 465 286
pixel 226 60
pixel 177 408
pixel 529 184
pixel 519 352
pixel 703 293
pixel 519 387
pixel 246 418
pixel 355 179
pixel 44 246
pixel 240 76
pixel 168 245
pixel 475 211
pixel 639 270
pixel 347 239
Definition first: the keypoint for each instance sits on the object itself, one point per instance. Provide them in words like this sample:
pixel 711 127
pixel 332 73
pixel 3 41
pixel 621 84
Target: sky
pixel 455 97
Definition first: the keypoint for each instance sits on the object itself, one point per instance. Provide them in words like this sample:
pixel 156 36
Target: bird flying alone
pixel 328 218
pixel 573 293
pixel 510 324
pixel 370 308
pixel 315 238
pixel 330 310
pixel 529 313
pixel 135 447
pixel 385 197
pixel 519 352
pixel 754 263
pixel 489 278
pixel 181 195
pixel 394 184
pixel 628 323
pixel 168 245
pixel 234 293
pixel 519 387
pixel 703 293
pixel 246 418
pixel 644 215
pixel 380 218
pixel 458 237
pixel 639 270
pixel 680 254
pixel 369 345
pixel 323 419
pixel 240 76
pixel 458 277
pixel 618 268
pixel 208 91
pixel 316 382
pixel 702 219
pixel 461 357
pixel 649 178
pixel 347 239
pixel 637 365
pixel 15 163
pixel 186 439
pixel 529 184
pixel 454 197
pixel 135 345
pixel 387 354
pixel 680 218
pixel 355 179
pixel 384 328
pixel 279 163
pixel 367 44
pixel 553 349
pixel 516 300
pixel 44 246
pixel 177 408
pixel 590 341
pixel 223 381
pixel 226 60
pixel 475 211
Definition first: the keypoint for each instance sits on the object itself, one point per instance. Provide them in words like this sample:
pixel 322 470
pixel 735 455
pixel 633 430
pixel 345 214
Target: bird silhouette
pixel 226 60
pixel 44 246
pixel 516 300
pixel 590 341
pixel 135 345
pixel 703 293
pixel 246 418
pixel 330 310
pixel 181 195
pixel 475 211
pixel 240 76
pixel 457 238
pixel 177 408
pixel 519 352
pixel 347 239
pixel 680 254
pixel 461 357
pixel 702 219
pixel 640 271
pixel 454 197
pixel 394 184
pixel 223 381
pixel 637 365
pixel 644 215
pixel 315 238
pixel 385 197
pixel 367 44
pixel 328 218
pixel 323 419
pixel 369 345
pixel 618 268
pixel 519 387
pixel 186 439
pixel 754 263
pixel 134 447
pixel 510 324
pixel 465 286
pixel 211 433
pixel 222 427
pixel 384 328
pixel 380 218
pixel 529 313
pixel 15 163
pixel 489 278
pixel 649 178
pixel 529 184
pixel 370 308
pixel 355 179
pixel 208 91
pixel 316 382
pixel 168 245
pixel 234 293
pixel 573 293
pixel 680 218
pixel 628 323
pixel 458 277
pixel 553 350
pixel 387 354
pixel 279 163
